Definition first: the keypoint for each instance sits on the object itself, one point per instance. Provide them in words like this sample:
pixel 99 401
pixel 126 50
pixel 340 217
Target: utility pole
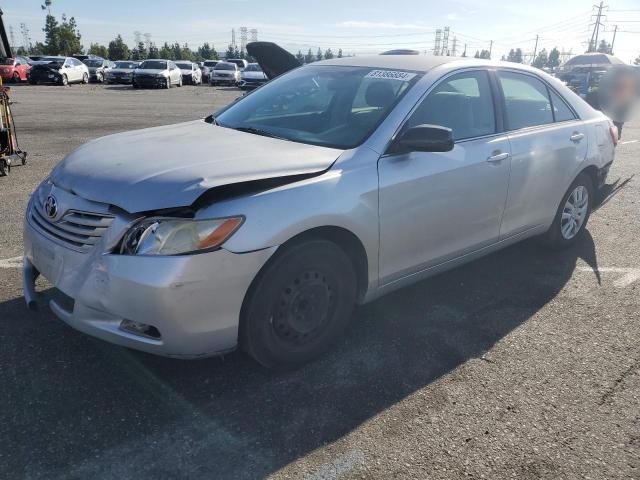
pixel 615 30
pixel 464 53
pixel 535 49
pixel 454 47
pixel 490 49
pixel 593 43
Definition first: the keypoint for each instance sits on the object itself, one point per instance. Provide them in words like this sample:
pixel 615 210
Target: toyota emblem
pixel 51 206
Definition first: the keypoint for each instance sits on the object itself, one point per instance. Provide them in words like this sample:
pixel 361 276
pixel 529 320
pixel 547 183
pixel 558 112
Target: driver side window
pixel 462 102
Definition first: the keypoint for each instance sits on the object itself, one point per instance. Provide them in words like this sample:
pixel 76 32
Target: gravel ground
pixel 524 364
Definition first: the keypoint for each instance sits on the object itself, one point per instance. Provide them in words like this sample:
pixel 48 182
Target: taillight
pixel 613 131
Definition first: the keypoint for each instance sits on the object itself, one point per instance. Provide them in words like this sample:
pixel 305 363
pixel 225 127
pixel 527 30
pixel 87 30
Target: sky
pixel 357 26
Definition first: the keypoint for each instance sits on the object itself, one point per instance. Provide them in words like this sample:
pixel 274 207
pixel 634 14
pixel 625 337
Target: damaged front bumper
pixel 192 302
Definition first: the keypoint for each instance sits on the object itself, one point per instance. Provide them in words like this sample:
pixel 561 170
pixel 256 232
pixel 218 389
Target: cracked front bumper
pixel 193 300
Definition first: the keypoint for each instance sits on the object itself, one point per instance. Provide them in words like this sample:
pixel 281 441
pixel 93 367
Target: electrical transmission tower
pixel 12 38
pixel 254 35
pixel 137 37
pixel 445 42
pixel 147 40
pixel 593 42
pixel 26 38
pixel 438 42
pixel 454 47
pixel 243 39
pixel 233 38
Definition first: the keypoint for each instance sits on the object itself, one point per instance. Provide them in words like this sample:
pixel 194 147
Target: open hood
pixel 5 47
pixel 273 59
pixel 172 166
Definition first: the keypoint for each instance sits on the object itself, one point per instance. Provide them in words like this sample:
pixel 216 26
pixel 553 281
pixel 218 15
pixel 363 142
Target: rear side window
pixel 561 111
pixel 526 101
pixel 462 102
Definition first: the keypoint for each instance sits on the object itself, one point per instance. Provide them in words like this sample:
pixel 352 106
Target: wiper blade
pixel 258 131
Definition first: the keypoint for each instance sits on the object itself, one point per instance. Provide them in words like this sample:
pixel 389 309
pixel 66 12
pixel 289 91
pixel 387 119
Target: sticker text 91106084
pixel 391 75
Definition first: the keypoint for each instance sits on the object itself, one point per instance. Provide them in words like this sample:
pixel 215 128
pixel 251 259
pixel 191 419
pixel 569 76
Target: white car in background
pixel 225 73
pixel 190 72
pixel 157 73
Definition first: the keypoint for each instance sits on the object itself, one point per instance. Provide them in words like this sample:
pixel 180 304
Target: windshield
pixel 52 59
pixel 210 64
pixel 225 66
pixel 153 65
pixel 93 63
pixel 6 61
pixel 126 65
pixel 253 67
pixel 328 105
pixel 184 66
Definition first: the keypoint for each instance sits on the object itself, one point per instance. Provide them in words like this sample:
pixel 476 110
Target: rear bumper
pixel 194 301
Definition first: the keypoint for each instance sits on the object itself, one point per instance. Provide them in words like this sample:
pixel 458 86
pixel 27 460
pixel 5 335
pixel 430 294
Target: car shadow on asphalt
pixel 81 408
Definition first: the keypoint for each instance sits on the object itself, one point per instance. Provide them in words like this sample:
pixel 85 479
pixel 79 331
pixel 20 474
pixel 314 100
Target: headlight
pixel 177 236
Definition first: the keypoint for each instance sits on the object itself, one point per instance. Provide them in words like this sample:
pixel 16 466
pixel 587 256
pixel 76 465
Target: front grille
pixel 77 230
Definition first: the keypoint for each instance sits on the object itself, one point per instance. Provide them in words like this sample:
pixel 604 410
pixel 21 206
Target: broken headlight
pixel 177 236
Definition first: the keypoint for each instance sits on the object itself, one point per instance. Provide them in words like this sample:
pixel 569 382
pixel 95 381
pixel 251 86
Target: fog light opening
pixel 138 328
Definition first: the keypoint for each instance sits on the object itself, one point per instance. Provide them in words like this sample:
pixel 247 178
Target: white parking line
pixel 628 142
pixel 629 275
pixel 15 262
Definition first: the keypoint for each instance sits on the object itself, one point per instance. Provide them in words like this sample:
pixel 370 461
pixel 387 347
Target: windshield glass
pixel 6 61
pixel 52 59
pixel 153 65
pixel 328 105
pixel 126 65
pixel 184 66
pixel 210 64
pixel 225 66
pixel 253 67
pixel 93 63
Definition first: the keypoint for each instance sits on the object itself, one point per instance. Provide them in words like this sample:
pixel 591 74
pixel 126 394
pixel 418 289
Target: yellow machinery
pixel 9 151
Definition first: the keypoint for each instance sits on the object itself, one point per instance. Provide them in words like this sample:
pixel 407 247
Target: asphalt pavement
pixel 524 364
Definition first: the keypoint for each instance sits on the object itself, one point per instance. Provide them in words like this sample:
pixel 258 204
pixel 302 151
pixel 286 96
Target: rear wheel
pixel 64 80
pixel 168 85
pixel 85 78
pixel 298 305
pixel 16 77
pixel 572 215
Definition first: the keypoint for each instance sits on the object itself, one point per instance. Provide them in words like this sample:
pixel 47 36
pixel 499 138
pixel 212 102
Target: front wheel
pixel 298 305
pixel 64 80
pixel 180 82
pixel 5 168
pixel 85 78
pixel 100 78
pixel 168 84
pixel 16 77
pixel 572 215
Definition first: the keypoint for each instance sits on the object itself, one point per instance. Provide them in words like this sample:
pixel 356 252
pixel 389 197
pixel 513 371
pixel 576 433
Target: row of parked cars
pixel 148 73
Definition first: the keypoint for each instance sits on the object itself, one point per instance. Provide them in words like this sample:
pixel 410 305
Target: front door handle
pixel 498 157
pixel 576 137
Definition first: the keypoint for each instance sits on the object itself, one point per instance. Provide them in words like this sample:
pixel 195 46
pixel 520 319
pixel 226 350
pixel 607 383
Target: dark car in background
pixel 121 72
pixel 252 77
pixel 207 67
pixel 14 69
pixel 98 68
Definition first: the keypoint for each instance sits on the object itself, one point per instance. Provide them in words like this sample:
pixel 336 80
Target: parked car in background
pixel 60 70
pixel 35 58
pixel 83 57
pixel 157 73
pixel 207 66
pixel 14 69
pixel 240 62
pixel 335 183
pixel 252 77
pixel 190 72
pixel 225 73
pixel 121 72
pixel 98 68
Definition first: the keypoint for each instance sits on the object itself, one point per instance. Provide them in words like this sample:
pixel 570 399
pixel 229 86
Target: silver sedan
pixel 265 224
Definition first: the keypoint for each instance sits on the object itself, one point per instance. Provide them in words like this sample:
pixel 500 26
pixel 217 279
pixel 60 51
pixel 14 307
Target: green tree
pixel 99 50
pixel 309 58
pixel 153 51
pixel 166 52
pixel 230 52
pixel 483 54
pixel 604 47
pixel 637 60
pixel 138 53
pixel 328 54
pixel 541 59
pixel 319 55
pixel 51 37
pixel 554 58
pixel 177 51
pixel 118 50
pixel 206 52
pixel 477 55
pixel 339 53
pixel 300 56
pixel 68 37
pixel 38 48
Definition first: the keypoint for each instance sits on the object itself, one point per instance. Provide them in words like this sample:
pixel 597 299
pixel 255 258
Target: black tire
pixel 16 77
pixel 85 79
pixel 4 168
pixel 100 78
pixel 134 85
pixel 32 81
pixel 298 305
pixel 64 81
pixel 168 85
pixel 554 237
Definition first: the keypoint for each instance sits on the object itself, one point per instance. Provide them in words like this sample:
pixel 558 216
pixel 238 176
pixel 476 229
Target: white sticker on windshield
pixel 391 75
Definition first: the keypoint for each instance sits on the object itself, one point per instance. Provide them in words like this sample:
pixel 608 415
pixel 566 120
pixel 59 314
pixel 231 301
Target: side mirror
pixel 423 138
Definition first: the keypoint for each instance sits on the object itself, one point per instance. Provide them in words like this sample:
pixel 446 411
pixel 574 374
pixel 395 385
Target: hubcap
pixel 303 309
pixel 574 212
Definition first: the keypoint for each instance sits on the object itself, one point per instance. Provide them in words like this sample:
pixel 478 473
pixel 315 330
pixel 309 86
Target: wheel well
pixel 592 171
pixel 346 240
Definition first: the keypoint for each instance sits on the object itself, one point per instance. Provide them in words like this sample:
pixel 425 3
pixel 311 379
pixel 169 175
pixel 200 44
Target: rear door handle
pixel 498 157
pixel 576 137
